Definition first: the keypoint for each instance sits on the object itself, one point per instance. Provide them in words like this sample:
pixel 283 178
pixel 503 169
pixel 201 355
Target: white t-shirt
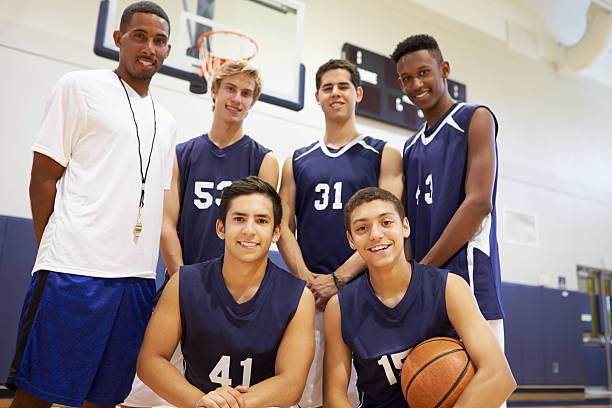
pixel 88 128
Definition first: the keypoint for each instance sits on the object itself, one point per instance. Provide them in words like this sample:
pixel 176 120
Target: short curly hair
pixel 142 7
pixel 416 43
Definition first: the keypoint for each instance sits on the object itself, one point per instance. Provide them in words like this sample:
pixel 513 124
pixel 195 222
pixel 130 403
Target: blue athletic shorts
pixel 79 337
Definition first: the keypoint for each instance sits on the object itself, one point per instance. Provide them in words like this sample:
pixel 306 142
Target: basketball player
pixel 102 159
pixel 394 306
pixel 317 180
pixel 203 166
pixel 450 168
pixel 245 326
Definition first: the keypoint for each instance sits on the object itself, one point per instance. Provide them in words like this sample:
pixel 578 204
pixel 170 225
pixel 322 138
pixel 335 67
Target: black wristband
pixel 337 281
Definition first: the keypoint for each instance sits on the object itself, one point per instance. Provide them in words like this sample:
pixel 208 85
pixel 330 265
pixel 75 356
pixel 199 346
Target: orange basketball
pixel 436 372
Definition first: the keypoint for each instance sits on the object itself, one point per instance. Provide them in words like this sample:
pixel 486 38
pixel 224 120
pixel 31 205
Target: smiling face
pixel 422 78
pixel 143 47
pixel 234 97
pixel 249 229
pixel 377 232
pixel 337 95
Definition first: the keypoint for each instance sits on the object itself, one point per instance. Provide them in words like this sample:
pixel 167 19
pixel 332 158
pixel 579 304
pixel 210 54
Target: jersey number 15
pixel 397 359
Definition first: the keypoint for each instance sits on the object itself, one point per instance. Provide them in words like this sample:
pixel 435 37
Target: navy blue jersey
pixel 227 343
pixel 325 179
pixel 434 170
pixel 205 170
pixel 380 337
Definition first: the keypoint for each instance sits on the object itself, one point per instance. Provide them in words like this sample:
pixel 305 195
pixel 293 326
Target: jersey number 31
pixel 322 203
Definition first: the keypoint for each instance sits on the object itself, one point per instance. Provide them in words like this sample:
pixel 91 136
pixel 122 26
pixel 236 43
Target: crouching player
pixel 394 306
pixel 246 327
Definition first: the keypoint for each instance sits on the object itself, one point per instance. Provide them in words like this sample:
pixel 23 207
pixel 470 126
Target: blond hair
pixel 233 67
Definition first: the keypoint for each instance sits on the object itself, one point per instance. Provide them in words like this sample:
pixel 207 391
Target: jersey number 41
pixel 220 374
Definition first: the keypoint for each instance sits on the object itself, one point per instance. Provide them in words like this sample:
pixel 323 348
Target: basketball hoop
pixel 233 45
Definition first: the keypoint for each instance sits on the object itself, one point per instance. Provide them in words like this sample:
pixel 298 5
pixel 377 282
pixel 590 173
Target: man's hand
pixel 322 287
pixel 223 397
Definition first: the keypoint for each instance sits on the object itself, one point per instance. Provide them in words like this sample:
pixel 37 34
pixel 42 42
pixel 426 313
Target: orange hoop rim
pixel 211 62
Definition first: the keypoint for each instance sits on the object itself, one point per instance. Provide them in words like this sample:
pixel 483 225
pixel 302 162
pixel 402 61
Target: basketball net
pixel 231 44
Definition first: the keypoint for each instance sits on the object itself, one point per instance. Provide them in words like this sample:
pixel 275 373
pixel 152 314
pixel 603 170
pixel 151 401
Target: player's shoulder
pixel 189 144
pixel 429 276
pixel 454 280
pixel 255 145
pixel 466 111
pixel 354 290
pixel 188 271
pixel 305 150
pixel 377 144
pixel 283 275
pixel 192 149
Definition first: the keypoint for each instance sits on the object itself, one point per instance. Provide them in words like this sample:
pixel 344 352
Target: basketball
pixel 436 372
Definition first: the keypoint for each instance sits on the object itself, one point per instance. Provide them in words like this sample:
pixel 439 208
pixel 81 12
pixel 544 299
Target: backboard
pixel 276 25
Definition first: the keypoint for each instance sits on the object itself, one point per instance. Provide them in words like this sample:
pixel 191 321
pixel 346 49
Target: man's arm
pixel 479 181
pixel 392 171
pixel 323 285
pixel 336 360
pixel 154 367
pixel 43 187
pixel 293 360
pixel 493 381
pixel 287 244
pixel 170 245
pixel 268 171
pixel 390 179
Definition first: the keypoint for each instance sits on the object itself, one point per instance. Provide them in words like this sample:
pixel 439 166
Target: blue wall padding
pixel 543 336
pixel 17 254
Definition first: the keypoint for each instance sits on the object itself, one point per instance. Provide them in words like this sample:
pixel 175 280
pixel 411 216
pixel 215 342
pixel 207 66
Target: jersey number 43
pixel 428 190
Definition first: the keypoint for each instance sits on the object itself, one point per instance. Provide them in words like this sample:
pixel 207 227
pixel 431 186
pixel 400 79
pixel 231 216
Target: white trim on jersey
pixel 448 120
pixel 315 147
pixel 367 146
pixel 321 144
pixel 479 240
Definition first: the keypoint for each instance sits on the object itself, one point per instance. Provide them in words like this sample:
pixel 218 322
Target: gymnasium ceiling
pixel 575 36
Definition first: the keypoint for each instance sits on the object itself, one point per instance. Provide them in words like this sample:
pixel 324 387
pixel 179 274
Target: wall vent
pixel 520 227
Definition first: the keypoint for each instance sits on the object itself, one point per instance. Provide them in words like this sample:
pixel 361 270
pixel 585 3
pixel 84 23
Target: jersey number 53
pixel 205 198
